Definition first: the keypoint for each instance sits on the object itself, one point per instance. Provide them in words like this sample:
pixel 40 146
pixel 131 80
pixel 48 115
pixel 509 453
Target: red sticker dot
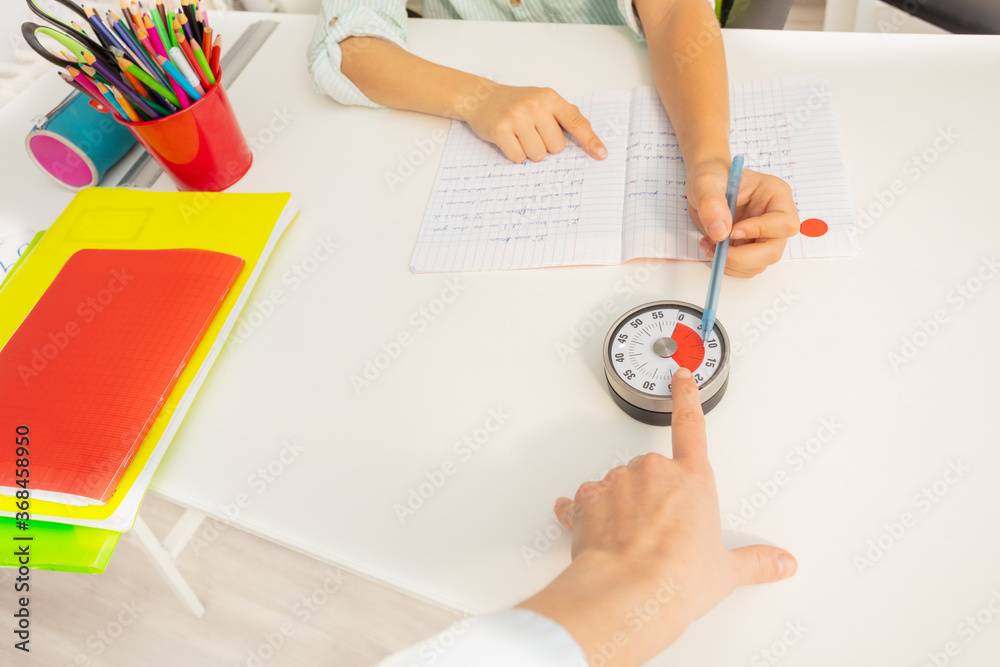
pixel 813 227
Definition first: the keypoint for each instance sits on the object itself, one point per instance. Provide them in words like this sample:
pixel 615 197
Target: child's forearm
pixel 524 122
pixel 689 68
pixel 394 77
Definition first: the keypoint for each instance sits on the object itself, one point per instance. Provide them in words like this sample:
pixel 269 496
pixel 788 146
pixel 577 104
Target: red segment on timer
pixel 690 347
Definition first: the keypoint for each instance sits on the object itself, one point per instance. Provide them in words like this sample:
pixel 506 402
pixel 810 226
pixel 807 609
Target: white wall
pixel 872 16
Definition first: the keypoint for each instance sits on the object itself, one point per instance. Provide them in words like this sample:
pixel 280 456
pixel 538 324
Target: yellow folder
pixel 244 225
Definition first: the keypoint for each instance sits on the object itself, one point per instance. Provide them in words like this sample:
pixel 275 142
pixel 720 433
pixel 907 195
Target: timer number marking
pixel 634 346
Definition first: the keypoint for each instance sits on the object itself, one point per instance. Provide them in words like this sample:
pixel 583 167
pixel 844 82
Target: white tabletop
pixel 495 348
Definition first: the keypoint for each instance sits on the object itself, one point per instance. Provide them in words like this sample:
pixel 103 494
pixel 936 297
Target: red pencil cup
pixel 201 148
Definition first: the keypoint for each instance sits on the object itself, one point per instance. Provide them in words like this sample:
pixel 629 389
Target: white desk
pixel 824 357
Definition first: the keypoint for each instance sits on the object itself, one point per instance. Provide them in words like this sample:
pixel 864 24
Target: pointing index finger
pixel 688 420
pixel 573 121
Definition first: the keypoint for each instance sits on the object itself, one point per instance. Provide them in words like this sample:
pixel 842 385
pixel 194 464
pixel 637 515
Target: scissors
pixel 92 45
pixel 30 32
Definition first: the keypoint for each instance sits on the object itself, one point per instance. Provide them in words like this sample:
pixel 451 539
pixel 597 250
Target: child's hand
pixel 765 217
pixel 528 123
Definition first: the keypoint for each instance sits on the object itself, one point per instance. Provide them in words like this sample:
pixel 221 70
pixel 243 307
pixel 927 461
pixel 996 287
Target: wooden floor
pixel 255 593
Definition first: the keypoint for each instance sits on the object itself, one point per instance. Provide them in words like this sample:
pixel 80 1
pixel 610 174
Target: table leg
pixel 164 555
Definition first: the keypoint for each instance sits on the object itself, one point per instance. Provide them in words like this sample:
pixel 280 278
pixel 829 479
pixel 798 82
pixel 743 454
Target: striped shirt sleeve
pixel 357 18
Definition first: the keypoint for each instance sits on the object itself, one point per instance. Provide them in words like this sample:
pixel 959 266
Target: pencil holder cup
pixel 201 147
pixel 75 144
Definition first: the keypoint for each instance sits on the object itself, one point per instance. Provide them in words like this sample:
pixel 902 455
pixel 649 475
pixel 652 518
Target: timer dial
pixel 648 344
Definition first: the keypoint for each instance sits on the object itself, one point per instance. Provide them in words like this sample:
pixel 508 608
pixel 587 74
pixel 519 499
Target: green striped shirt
pixel 387 19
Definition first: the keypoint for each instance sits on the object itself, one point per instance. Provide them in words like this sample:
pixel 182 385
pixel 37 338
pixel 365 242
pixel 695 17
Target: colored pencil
pixel 180 61
pixel 155 85
pixel 140 56
pixel 162 104
pixel 82 80
pixel 185 24
pixel 161 30
pixel 102 31
pixel 96 102
pixel 85 85
pixel 132 114
pixel 146 63
pixel 154 37
pixel 191 17
pixel 178 89
pixel 77 27
pixel 178 77
pixel 133 97
pixel 216 54
pixel 161 12
pixel 200 55
pixel 112 103
pixel 185 46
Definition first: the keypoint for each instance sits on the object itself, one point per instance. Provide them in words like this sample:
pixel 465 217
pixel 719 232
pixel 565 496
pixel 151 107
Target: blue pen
pixel 721 250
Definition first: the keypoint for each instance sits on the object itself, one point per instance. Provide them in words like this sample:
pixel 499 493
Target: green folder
pixel 61 547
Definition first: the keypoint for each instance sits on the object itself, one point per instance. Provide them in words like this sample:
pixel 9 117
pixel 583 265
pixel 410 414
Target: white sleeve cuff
pixel 354 19
pixel 627 10
pixel 503 639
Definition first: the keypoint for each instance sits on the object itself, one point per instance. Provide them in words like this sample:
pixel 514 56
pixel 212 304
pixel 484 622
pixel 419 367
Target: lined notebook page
pixel 784 127
pixel 488 213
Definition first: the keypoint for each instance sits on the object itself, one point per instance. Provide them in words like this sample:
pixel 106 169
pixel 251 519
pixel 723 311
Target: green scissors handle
pixel 30 33
pixel 64 26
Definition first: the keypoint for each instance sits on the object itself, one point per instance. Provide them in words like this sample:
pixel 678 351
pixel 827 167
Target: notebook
pixel 243 225
pixel 89 368
pixel 487 213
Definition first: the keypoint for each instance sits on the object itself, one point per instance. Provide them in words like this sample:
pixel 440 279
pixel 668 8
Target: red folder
pixel 90 367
